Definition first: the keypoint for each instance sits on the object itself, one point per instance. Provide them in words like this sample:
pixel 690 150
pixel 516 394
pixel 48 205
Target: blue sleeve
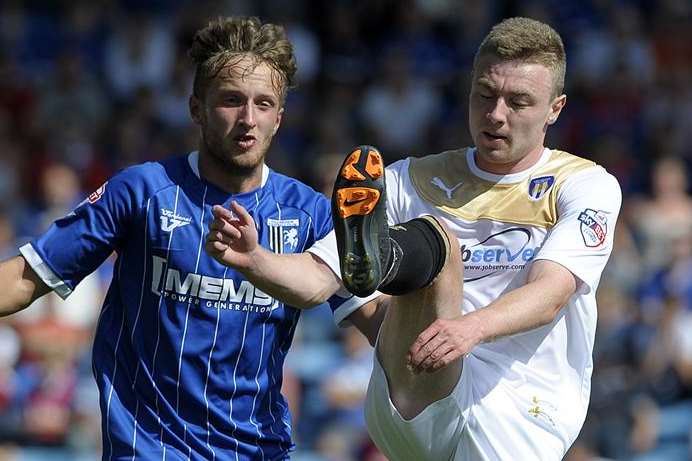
pixel 76 245
pixel 322 217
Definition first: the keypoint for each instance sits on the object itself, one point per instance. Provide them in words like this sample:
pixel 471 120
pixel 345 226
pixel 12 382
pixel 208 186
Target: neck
pixel 232 180
pixel 518 166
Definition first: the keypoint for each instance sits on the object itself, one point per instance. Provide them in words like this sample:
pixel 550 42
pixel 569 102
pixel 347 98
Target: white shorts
pixel 464 426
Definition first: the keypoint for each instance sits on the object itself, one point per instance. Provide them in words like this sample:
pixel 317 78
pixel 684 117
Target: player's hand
pixel 232 239
pixel 443 342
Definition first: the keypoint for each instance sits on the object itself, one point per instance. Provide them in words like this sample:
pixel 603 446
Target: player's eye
pixel 484 93
pixel 265 104
pixel 519 103
pixel 231 99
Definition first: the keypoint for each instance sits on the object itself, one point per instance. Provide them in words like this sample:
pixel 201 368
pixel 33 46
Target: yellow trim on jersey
pixel 446 182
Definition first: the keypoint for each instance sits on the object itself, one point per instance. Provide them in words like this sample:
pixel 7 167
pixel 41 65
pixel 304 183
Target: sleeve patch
pixel 97 194
pixel 594 227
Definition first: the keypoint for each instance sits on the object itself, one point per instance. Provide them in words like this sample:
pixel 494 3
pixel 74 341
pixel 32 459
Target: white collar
pixel 503 178
pixel 193 160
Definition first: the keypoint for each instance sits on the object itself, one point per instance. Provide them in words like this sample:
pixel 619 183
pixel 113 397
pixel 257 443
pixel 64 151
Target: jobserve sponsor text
pixel 509 249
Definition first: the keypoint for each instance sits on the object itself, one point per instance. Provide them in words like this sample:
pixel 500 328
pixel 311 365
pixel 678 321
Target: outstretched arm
pixel 537 303
pixel 301 280
pixel 20 285
pixel 368 318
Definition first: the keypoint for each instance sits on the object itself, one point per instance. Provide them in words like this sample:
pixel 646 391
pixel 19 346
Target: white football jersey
pixel 562 209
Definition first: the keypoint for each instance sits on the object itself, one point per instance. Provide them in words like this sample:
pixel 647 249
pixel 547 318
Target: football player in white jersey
pixel 501 369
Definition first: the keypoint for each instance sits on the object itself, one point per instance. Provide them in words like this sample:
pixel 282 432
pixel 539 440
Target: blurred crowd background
pixel 88 87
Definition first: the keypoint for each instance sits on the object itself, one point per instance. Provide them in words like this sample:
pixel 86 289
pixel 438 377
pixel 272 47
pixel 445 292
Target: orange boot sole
pixel 359 212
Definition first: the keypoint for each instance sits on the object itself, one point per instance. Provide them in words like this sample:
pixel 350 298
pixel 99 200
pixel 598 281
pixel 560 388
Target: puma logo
pixel 439 183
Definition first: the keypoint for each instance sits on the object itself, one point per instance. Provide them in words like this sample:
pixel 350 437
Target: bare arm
pixel 301 280
pixel 537 303
pixel 20 285
pixel 368 318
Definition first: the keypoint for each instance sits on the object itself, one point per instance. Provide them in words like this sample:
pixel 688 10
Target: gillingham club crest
pixel 283 235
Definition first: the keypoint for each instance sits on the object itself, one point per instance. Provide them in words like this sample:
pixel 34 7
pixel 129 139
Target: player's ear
pixel 279 117
pixel 195 106
pixel 555 108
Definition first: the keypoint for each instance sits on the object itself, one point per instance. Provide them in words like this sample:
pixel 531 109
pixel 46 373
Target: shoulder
pixel 444 169
pixel 294 201
pixel 152 176
pixel 439 160
pixel 572 170
pixel 564 164
pixel 292 192
pixel 583 183
pixel 575 169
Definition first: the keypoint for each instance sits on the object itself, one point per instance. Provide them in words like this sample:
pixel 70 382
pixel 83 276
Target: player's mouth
pixel 494 138
pixel 491 135
pixel 245 141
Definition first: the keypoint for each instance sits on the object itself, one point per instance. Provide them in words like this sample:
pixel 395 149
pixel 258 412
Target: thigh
pixel 505 423
pixel 432 435
pixel 467 425
pixel 408 316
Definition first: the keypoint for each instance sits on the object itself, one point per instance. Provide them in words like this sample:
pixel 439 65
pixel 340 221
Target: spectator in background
pixel 432 58
pixel 399 109
pixel 10 164
pixel 54 332
pixel 7 237
pixel 10 385
pixel 59 191
pixel 18 93
pixel 345 50
pixel 306 45
pixel 624 270
pixel 171 99
pixel 615 366
pixel 659 219
pixel 662 409
pixel 72 98
pixel 48 376
pixel 139 54
pixel 674 279
pixel 346 386
pixel 337 125
pixel 617 46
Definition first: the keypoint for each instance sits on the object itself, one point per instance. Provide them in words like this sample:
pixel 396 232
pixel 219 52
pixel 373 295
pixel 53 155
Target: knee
pixel 453 262
pixel 454 258
pixel 407 406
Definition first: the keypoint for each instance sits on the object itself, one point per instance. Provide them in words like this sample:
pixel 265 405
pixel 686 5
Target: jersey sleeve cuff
pixel 350 306
pixel 46 273
pixel 326 251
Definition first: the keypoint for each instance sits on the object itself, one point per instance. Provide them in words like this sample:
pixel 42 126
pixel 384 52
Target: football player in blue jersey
pixel 188 353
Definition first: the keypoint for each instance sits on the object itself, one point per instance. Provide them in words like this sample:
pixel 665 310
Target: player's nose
pixel 497 113
pixel 248 116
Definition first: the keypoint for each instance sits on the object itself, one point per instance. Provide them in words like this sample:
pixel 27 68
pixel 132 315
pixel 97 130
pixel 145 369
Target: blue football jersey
pixel 188 354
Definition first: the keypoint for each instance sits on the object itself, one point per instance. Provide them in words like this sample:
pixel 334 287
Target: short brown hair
pixel 530 41
pixel 226 40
